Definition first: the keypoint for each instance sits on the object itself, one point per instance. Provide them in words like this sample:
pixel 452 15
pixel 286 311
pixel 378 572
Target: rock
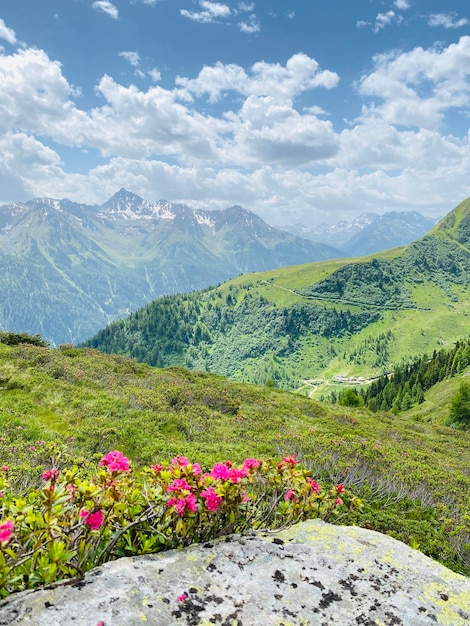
pixel 312 573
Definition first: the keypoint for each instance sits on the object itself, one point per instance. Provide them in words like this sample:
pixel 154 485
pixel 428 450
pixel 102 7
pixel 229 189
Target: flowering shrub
pixel 79 519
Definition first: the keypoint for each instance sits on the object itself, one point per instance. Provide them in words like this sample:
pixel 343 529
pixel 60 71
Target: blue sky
pixel 300 110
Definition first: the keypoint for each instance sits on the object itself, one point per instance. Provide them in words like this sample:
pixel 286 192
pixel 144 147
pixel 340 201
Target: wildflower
pixel 51 474
pixel 182 461
pixel 221 471
pixel 179 484
pixel 252 464
pixel 181 504
pixel 290 495
pixel 196 469
pixel 290 460
pixel 5 468
pixel 313 485
pixel 338 502
pixel 93 520
pixel 182 597
pixel 115 461
pixel 157 467
pixel 32 448
pixel 212 500
pixel 6 531
pixel 340 488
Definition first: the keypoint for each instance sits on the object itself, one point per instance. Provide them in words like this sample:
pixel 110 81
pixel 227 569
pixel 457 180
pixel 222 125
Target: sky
pixel 303 111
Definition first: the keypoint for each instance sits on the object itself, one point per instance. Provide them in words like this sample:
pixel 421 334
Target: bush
pixel 78 518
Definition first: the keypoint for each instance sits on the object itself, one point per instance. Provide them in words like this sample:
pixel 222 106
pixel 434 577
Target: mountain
pixel 314 327
pixel 369 233
pixel 69 269
pixel 390 230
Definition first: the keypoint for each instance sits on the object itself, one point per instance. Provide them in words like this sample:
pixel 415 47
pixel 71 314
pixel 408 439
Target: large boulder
pixel 312 573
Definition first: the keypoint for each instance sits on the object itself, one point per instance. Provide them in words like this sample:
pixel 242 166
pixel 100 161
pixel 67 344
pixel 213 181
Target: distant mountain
pixel 391 230
pixel 318 326
pixel 369 233
pixel 68 269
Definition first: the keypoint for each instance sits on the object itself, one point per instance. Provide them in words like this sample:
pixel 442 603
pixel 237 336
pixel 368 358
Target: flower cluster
pixel 83 517
pixel 115 462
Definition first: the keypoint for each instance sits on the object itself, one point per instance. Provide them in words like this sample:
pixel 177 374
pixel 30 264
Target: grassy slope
pixel 95 403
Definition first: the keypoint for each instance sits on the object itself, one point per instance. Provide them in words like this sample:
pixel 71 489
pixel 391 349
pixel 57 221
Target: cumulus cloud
pixel 211 12
pixel 255 148
pixel 447 20
pixel 106 7
pixel 7 33
pixel 300 74
pixel 418 87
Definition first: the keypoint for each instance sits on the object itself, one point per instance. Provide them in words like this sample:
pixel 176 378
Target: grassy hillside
pixel 412 474
pixel 299 327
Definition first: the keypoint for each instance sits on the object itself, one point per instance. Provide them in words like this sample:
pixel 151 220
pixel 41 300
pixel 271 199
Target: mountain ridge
pixel 71 268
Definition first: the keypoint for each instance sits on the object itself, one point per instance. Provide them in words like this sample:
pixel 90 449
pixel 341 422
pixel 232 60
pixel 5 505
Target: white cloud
pixel 155 75
pixel 385 19
pixel 255 147
pixel 402 5
pixel 447 20
pixel 107 7
pixel 300 74
pixel 246 6
pixel 250 27
pixel 417 88
pixel 211 12
pixel 131 56
pixel 7 33
pixel 381 21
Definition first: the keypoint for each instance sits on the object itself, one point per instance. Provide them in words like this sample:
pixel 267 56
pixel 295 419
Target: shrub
pixel 79 518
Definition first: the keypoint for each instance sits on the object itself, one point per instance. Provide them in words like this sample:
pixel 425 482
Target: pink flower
pixel 181 504
pixel 32 448
pixel 115 461
pixel 340 488
pixel 182 461
pixel 191 502
pixel 338 501
pixel 236 475
pixel 51 474
pixel 290 495
pixel 157 467
pixel 252 464
pixel 93 520
pixel 1 494
pixel 5 468
pixel 179 484
pixel 196 469
pixel 182 597
pixel 6 531
pixel 290 460
pixel 212 499
pixel 220 471
pixel 313 485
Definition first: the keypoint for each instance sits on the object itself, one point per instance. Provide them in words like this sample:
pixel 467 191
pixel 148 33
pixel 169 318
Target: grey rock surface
pixel 312 573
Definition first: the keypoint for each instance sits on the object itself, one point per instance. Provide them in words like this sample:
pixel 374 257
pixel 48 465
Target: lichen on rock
pixel 312 573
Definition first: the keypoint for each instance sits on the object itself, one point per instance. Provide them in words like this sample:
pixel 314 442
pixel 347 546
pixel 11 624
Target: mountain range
pixel 69 268
pixel 314 327
pixel 368 233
